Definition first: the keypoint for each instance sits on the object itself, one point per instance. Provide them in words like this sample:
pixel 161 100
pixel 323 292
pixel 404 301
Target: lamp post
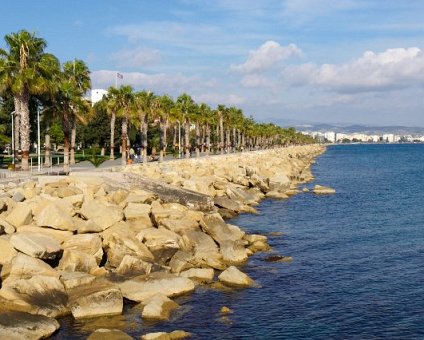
pixel 38 140
pixel 13 136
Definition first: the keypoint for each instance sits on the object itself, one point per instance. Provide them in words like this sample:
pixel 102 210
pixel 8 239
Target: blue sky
pixel 338 61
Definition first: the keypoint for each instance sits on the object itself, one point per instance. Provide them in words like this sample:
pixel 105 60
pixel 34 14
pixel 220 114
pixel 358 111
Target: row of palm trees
pixel 27 71
pixel 224 128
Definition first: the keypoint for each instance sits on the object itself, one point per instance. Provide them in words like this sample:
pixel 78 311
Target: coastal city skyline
pixel 353 61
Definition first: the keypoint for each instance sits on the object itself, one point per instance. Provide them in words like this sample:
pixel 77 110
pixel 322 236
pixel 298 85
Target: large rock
pixel 75 279
pixel 174 335
pixel 109 334
pixel 119 244
pixel 7 252
pixel 322 190
pixel 20 215
pixel 77 261
pixel 234 277
pixel 161 242
pixel 90 244
pixel 103 215
pixel 204 249
pixel 54 216
pixel 25 326
pixel 136 210
pixel 158 307
pixel 133 265
pixel 24 266
pixel 199 274
pixel 36 245
pixel 233 252
pixel 142 287
pixel 59 235
pixel 43 295
pixel 279 182
pixel 95 300
pixel 226 203
pixel 216 227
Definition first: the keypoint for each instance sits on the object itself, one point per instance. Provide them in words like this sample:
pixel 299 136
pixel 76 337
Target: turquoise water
pixel 358 259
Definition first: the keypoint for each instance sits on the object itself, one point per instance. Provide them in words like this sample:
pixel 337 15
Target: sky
pixel 322 61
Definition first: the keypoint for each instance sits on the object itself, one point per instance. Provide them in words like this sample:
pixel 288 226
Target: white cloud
pixel 160 82
pixel 392 69
pixel 135 57
pixel 256 80
pixel 219 98
pixel 266 57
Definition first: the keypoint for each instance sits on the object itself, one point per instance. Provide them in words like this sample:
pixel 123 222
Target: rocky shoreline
pixel 82 244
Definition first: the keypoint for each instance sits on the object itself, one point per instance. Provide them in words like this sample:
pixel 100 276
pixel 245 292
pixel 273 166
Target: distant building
pixel 97 95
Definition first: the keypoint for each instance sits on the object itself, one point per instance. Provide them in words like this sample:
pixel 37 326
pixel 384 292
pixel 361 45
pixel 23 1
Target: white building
pixel 97 95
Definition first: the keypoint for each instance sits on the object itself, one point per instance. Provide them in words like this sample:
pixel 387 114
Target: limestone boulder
pixel 215 226
pixel 322 190
pixel 77 261
pixel 102 214
pixel 158 307
pixel 7 252
pixel 182 260
pixel 134 211
pixel 24 266
pixel 20 215
pixel 43 295
pixel 7 227
pixel 163 243
pixel 279 182
pixel 233 252
pixel 143 287
pixel 174 335
pixel 226 203
pixel 36 245
pixel 25 326
pixel 109 334
pixel 90 244
pixel 54 216
pixel 234 277
pixel 86 226
pixel 133 265
pixel 95 300
pixel 75 279
pixel 119 244
pixel 59 235
pixel 276 195
pixel 204 249
pixel 199 274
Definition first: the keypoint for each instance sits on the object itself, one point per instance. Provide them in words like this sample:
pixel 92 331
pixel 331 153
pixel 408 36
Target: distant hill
pixel 353 128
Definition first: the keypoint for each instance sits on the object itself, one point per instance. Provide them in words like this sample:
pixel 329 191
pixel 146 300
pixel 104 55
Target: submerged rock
pixel 234 277
pixel 322 190
pixel 109 334
pixel 21 325
pixel 158 307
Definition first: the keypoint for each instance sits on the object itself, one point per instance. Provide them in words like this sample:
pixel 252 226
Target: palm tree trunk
pixel 234 139
pixel 144 130
pixel 112 136
pixel 187 138
pixel 47 147
pixel 197 140
pixel 228 140
pixel 162 132
pixel 73 139
pixel 124 140
pixel 221 133
pixel 16 122
pixel 25 128
pixel 208 139
pixel 66 152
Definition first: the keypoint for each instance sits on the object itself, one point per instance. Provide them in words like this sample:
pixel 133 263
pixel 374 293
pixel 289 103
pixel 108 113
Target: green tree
pixel 25 69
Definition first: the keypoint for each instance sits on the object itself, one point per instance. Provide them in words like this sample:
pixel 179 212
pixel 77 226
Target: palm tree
pixel 77 72
pixel 165 107
pixel 186 106
pixel 143 106
pixel 24 70
pixel 221 111
pixel 125 98
pixel 112 105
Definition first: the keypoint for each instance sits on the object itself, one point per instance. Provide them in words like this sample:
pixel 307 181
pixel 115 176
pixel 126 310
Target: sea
pixel 357 260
